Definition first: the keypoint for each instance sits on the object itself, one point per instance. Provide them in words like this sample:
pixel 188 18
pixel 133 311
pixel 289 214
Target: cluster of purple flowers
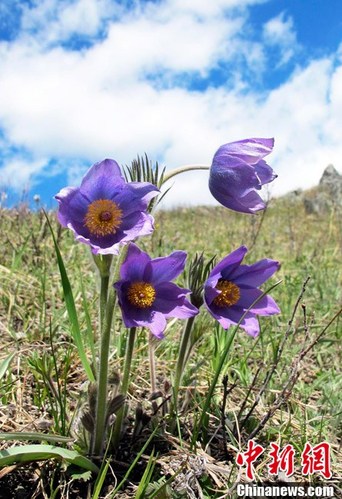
pixel 107 212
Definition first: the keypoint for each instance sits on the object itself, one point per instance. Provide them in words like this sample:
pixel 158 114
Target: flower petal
pixel 134 197
pixel 72 206
pixel 231 175
pixel 210 291
pixel 169 296
pixel 157 325
pixel 265 305
pixel 216 313
pixel 133 267
pixel 171 301
pixel 101 179
pixel 250 150
pixel 137 224
pixel 256 274
pixel 232 315
pixel 247 203
pixel 144 190
pixel 252 202
pixel 184 311
pixel 264 172
pixel 228 264
pixel 151 319
pixel 166 268
pixel 251 325
pixel 238 171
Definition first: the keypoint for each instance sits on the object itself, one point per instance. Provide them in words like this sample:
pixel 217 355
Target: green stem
pixel 183 349
pixel 102 382
pixel 103 263
pixel 107 311
pixel 182 169
pixel 152 363
pixel 153 376
pixel 124 385
pixel 103 299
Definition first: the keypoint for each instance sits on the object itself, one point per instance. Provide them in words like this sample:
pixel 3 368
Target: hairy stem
pixel 181 361
pixel 107 311
pixel 124 385
pixel 102 382
pixel 153 376
pixel 152 361
pixel 182 169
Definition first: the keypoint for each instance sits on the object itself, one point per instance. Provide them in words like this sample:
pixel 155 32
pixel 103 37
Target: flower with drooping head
pixel 147 296
pixel 232 288
pixel 238 171
pixel 106 211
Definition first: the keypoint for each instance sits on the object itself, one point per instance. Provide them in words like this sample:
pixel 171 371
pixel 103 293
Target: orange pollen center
pixel 230 294
pixel 103 217
pixel 141 294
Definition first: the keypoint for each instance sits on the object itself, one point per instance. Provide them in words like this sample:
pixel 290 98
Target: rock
pixel 331 182
pixel 327 195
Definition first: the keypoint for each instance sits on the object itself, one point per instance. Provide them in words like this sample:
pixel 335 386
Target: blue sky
pixel 81 80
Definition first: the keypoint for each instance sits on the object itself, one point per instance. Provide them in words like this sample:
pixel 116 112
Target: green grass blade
pixel 142 450
pixel 71 309
pixel 5 364
pixel 34 436
pixel 100 480
pixel 146 478
pixel 30 453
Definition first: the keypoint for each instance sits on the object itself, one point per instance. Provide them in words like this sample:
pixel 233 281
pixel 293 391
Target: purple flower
pixel 106 210
pixel 232 288
pixel 238 171
pixel 146 295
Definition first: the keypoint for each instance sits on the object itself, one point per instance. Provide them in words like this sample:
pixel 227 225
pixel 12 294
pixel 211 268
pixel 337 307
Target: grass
pixel 43 386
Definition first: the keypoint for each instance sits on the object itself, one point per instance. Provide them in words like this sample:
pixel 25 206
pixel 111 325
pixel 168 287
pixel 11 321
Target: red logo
pixel 316 459
pixel 247 458
pixel 281 461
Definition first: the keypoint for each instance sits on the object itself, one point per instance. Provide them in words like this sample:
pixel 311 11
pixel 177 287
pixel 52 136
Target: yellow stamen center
pixel 230 294
pixel 103 217
pixel 141 294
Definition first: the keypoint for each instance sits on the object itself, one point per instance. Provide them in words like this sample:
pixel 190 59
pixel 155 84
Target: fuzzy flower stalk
pixel 237 173
pixel 147 298
pixel 105 213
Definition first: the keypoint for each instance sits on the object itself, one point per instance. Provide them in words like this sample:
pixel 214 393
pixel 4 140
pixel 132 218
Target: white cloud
pixel 279 32
pixel 52 21
pixel 103 102
pixel 17 173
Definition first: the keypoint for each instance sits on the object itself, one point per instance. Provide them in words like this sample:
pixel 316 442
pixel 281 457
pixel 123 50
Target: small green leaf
pixel 5 364
pixel 29 453
pixel 85 476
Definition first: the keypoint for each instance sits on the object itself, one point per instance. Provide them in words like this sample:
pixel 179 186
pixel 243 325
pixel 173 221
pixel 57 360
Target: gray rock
pixel 327 195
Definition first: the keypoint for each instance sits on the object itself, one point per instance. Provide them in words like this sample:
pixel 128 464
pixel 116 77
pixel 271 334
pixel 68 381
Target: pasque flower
pixel 232 288
pixel 147 296
pixel 238 171
pixel 106 211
